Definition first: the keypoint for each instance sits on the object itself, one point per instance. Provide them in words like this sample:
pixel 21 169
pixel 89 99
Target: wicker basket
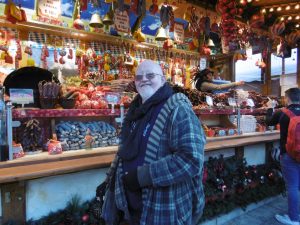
pixel 48 103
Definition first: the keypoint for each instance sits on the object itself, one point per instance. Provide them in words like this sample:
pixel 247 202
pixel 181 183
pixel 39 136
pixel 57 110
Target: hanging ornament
pixel 55 55
pixel 153 8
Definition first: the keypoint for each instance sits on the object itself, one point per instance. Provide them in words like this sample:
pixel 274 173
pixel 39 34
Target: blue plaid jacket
pixel 175 155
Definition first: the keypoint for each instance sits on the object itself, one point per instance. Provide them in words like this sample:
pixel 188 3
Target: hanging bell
pixel 210 43
pixel 107 20
pixel 161 34
pixel 96 21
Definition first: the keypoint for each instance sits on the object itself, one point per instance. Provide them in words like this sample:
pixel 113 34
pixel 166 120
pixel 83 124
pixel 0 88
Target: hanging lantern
pixel 96 21
pixel 161 34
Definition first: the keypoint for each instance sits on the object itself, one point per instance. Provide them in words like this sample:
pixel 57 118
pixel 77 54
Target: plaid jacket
pixel 175 154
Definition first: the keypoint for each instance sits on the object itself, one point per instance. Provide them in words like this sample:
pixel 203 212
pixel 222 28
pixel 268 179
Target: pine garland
pixel 228 183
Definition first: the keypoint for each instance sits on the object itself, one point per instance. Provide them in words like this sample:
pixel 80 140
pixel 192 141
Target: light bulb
pixel 282 18
pixel 263 11
pixel 249 1
pixel 271 10
pixel 288 7
pixel 297 25
pixel 297 17
pixel 279 9
pixel 290 18
pixel 297 6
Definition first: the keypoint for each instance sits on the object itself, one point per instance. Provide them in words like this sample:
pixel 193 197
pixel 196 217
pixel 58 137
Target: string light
pixel 279 9
pixel 290 18
pixel 297 6
pixel 264 11
pixel 288 7
pixel 271 10
pixel 297 25
pixel 282 18
pixel 297 17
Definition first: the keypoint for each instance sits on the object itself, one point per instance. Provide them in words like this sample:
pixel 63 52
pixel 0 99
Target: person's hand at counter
pixel 240 83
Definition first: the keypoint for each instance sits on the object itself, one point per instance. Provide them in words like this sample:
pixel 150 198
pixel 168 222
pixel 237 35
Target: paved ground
pixel 262 215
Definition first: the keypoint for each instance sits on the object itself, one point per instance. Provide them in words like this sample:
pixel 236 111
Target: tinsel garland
pixel 228 183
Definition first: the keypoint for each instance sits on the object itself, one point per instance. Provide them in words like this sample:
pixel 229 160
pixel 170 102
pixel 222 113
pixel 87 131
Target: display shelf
pixel 27 113
pixel 43 165
pixel 228 111
pixel 44 157
pixel 85 35
pixel 52 113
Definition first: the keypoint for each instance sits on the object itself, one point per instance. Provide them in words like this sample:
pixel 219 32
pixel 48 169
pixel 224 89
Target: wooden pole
pixel 298 66
pixel 266 75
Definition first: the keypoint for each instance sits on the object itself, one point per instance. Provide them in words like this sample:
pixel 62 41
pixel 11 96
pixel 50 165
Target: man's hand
pixel 130 180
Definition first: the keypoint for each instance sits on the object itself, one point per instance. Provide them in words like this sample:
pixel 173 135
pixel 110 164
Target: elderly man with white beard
pixel 159 165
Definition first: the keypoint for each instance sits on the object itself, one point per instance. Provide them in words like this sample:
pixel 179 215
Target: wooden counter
pixel 43 165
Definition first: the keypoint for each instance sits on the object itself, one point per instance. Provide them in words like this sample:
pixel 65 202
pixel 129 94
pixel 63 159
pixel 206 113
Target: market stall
pixel 65 128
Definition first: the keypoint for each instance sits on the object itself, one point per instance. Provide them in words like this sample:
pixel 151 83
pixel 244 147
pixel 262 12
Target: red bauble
pixel 85 217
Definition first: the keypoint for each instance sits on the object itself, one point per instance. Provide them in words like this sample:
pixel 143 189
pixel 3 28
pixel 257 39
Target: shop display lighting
pixel 280 7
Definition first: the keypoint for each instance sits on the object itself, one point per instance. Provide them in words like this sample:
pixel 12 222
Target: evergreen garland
pixel 228 183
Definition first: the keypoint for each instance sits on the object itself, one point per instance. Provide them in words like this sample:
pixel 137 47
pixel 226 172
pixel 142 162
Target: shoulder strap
pixel 288 112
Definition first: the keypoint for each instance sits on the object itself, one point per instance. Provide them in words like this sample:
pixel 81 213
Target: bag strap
pixel 288 112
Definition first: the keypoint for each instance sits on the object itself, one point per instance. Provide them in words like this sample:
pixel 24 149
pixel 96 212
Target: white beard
pixel 146 92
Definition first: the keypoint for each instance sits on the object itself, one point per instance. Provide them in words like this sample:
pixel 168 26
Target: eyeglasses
pixel 149 76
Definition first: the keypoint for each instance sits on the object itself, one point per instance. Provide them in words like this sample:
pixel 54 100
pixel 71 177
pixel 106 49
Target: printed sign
pixel 209 101
pixel 122 21
pixel 178 33
pixel 49 8
pixel 21 96
pixel 202 63
pixel 250 102
pixel 112 98
pixel 231 102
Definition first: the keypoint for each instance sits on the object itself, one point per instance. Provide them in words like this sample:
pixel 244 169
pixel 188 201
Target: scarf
pixel 140 114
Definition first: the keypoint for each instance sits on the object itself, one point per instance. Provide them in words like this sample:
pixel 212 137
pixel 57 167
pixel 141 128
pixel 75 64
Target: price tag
pixel 202 63
pixel 209 101
pixel 232 102
pixel 21 96
pixel 250 102
pixel 112 98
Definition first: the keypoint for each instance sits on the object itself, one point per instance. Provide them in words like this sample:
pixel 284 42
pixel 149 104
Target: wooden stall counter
pixel 43 165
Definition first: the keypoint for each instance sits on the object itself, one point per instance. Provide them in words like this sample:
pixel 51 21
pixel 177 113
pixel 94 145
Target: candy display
pixel 72 135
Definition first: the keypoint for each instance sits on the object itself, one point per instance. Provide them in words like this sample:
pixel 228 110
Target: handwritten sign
pixel 21 96
pixel 49 8
pixel 122 21
pixel 178 33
